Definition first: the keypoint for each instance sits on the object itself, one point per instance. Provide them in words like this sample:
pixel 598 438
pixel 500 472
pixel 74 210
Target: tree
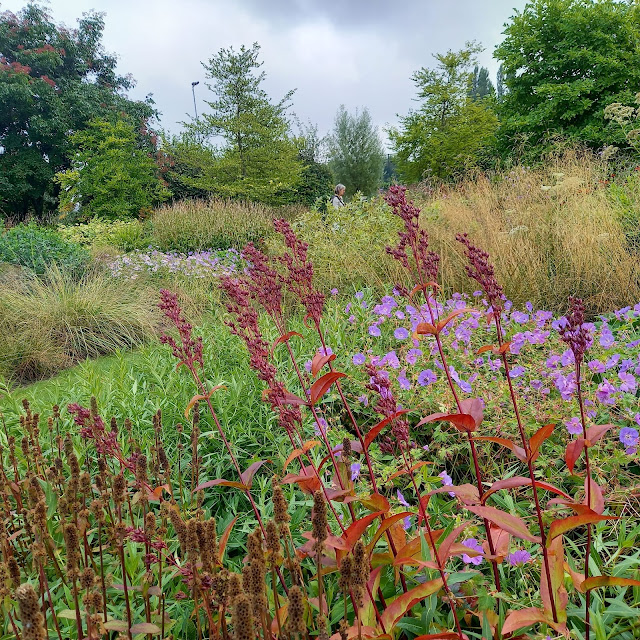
pixel 111 175
pixel 316 180
pixel 257 159
pixel 356 154
pixel 500 88
pixel 53 80
pixel 564 62
pixel 481 85
pixel 450 130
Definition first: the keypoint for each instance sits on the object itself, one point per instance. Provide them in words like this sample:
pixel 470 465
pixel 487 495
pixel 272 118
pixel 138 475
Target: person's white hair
pixel 339 188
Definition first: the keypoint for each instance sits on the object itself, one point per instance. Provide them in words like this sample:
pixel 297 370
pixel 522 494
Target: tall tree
pixel 257 158
pixel 316 178
pixel 450 130
pixel 356 154
pixel 500 87
pixel 564 62
pixel 53 80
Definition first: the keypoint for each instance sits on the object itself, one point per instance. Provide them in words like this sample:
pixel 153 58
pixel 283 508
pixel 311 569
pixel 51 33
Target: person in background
pixel 337 200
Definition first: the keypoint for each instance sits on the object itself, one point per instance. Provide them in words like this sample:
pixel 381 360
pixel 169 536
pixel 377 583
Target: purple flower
pixel 516 372
pixel 519 317
pixel 629 436
pixel 401 333
pixel 307 366
pixel 426 377
pixel 347 309
pixel 413 355
pixel 605 392
pixel 472 543
pixel 518 558
pixel 596 366
pixel 606 337
pixel 325 351
pixel 628 382
pixel 364 400
pixel 359 295
pixel 355 471
pixel 374 330
pixel 401 499
pixel 359 358
pixel 446 481
pixel 406 523
pixel 574 426
pixel 400 315
pixel 351 319
pixel 321 427
pixel 403 381
pixel 391 360
pixel 334 292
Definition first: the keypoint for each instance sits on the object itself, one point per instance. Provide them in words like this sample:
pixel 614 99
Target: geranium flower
pixel 518 558
pixel 472 543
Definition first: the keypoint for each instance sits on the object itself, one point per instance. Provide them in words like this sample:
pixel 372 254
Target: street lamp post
pixel 193 91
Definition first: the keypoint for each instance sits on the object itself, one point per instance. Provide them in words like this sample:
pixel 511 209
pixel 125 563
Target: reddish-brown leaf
pixel 426 328
pixel 513 524
pixel 114 625
pixel 559 527
pixel 423 287
pixel 501 543
pixel 596 431
pixel 574 449
pixel 356 529
pixel 556 567
pixel 367 612
pixel 597 499
pixel 222 483
pixel 521 481
pixel 285 338
pixel 323 384
pixel 403 603
pixel 608 581
pixel 387 523
pixel 411 469
pixel 461 421
pixel 319 360
pixel 487 347
pixel 445 321
pixel 473 406
pixel 504 348
pixel 224 538
pixel 376 502
pixel 249 472
pixel 444 635
pixel 374 431
pixel 523 618
pixel 145 627
pixel 443 549
pixel 466 492
pixel 199 397
pixel 294 400
pixel 519 452
pixel 296 453
pixel 538 438
pixel 307 480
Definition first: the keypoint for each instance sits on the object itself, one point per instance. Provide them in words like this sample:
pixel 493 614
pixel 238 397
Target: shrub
pixel 193 225
pixel 37 248
pixel 52 322
pixel 124 235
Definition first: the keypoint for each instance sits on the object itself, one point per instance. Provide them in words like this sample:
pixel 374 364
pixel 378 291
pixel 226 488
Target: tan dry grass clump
pixel 191 225
pixel 49 323
pixel 551 233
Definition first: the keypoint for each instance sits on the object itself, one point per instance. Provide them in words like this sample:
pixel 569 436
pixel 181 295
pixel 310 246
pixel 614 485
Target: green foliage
pixel 564 61
pixel 356 155
pixel 452 129
pixel 316 180
pixel 111 176
pixel 213 224
pixel 36 248
pixel 481 85
pixel 51 322
pixel 126 235
pixel 258 160
pixel 52 80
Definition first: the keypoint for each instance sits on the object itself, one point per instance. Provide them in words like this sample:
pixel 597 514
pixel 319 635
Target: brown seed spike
pixel 319 520
pixel 242 619
pixel 296 611
pixel 30 614
pixel 280 506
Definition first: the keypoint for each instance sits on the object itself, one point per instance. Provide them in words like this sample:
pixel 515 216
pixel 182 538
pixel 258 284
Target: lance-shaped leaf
pixel 443 635
pixel 375 502
pixel 538 438
pixel 474 407
pixel 219 482
pixel 307 479
pixel 224 538
pixel 367 612
pixel 521 481
pixel 290 398
pixel 296 453
pixel 285 338
pixel 608 581
pixel 595 433
pixel 487 347
pixel 109 625
pixel 410 470
pixel 519 452
pixel 425 328
pixel 374 431
pixel 574 449
pixel 356 529
pixel 387 523
pixel 597 499
pixel 250 471
pixel 466 492
pixel 423 287
pixel 501 543
pixel 524 618
pixel 556 570
pixel 404 603
pixel 445 321
pixel 199 397
pixel 323 384
pixel 319 360
pixel 445 546
pixel 461 421
pixel 513 524
pixel 560 527
pixel 145 627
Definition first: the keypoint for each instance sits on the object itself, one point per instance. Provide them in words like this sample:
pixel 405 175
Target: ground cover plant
pixel 438 524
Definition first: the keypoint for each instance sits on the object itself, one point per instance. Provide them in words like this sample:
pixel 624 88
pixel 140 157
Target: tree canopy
pixel 564 61
pixel 53 81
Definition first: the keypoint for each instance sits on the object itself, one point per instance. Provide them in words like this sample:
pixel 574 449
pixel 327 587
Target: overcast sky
pixel 360 53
